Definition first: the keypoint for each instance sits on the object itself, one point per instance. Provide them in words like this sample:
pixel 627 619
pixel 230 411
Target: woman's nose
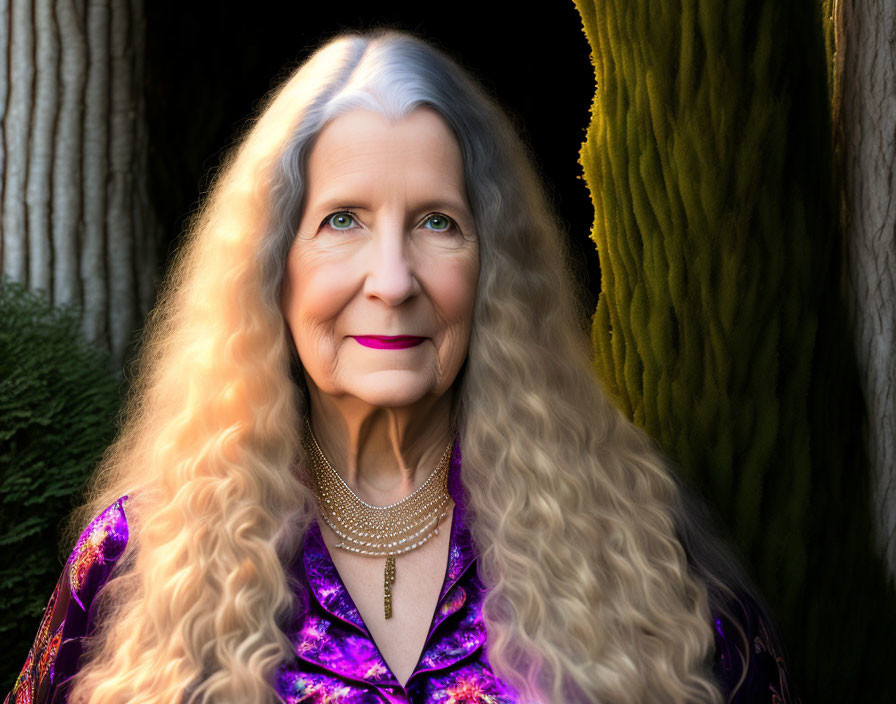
pixel 390 275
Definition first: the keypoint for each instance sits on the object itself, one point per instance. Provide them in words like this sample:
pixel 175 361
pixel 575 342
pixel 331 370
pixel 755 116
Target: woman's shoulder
pixel 750 663
pixel 69 617
pixel 97 550
pixel 749 659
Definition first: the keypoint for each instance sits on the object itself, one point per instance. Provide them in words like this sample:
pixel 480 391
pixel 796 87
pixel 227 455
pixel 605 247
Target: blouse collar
pixel 355 654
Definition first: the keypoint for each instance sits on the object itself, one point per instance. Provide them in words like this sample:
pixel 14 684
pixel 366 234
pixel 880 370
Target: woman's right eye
pixel 341 221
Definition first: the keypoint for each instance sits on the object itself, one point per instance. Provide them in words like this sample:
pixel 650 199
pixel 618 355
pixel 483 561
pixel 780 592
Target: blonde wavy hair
pixel 572 508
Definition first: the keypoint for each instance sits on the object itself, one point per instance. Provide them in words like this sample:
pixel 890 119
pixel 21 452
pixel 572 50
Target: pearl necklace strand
pixel 378 530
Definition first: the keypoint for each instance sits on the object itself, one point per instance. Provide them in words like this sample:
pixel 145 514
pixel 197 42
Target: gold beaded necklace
pixel 378 530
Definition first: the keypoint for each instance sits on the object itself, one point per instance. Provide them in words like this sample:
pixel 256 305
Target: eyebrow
pixel 445 204
pixel 438 203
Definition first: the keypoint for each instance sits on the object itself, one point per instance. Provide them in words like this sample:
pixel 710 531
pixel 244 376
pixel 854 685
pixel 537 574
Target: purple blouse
pixel 336 659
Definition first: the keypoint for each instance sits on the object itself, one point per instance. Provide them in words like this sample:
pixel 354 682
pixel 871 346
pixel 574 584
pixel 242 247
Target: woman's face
pixel 381 279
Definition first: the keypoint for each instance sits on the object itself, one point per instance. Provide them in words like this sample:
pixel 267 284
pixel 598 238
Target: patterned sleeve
pixel 749 659
pixel 53 659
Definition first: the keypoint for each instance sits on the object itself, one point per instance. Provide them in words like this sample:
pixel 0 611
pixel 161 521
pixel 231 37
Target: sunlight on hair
pixel 589 594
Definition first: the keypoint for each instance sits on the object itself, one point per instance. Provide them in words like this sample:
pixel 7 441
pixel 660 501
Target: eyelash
pixel 452 224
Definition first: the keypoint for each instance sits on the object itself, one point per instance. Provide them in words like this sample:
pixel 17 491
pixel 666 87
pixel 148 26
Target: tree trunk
pixel 866 132
pixel 76 221
pixel 721 326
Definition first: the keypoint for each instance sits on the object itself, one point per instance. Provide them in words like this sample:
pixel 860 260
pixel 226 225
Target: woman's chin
pixel 397 389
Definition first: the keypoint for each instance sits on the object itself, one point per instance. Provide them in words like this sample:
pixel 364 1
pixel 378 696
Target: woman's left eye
pixel 343 220
pixel 439 222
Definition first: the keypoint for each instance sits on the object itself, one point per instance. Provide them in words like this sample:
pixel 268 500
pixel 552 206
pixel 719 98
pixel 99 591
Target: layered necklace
pixel 378 530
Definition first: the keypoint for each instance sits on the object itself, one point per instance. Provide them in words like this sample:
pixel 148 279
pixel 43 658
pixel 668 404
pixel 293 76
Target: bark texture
pixel 866 131
pixel 722 327
pixel 76 221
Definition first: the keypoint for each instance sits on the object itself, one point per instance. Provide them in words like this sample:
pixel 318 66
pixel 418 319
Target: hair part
pixel 570 505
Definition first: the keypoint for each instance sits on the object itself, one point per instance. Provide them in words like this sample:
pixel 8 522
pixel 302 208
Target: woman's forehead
pixel 362 149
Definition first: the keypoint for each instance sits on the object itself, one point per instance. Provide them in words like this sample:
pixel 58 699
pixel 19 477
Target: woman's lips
pixel 388 342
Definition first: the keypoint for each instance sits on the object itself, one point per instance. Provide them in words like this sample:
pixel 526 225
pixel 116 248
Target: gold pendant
pixel 390 579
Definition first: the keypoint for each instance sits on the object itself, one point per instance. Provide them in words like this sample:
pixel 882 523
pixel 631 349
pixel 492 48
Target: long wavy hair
pixel 576 518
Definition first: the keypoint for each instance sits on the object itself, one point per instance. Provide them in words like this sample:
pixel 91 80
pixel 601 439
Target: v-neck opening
pixel 452 542
pixel 332 607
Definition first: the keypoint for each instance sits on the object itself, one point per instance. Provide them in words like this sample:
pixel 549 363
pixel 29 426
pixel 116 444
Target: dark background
pixel 208 65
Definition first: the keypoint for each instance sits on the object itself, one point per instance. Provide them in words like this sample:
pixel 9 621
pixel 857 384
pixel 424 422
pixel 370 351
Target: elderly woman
pixel 367 460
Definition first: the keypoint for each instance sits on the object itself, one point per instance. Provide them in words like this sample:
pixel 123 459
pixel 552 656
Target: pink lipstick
pixel 389 342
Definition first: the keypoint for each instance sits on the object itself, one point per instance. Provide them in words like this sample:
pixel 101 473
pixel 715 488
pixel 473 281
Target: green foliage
pixel 720 327
pixel 58 402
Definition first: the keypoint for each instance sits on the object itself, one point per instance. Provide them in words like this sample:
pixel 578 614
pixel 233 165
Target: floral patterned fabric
pixel 336 659
pixel 53 659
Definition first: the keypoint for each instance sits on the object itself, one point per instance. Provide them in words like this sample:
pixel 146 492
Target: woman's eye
pixel 439 223
pixel 341 221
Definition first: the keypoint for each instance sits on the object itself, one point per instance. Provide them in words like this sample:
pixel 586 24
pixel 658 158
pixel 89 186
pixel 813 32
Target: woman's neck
pixel 383 454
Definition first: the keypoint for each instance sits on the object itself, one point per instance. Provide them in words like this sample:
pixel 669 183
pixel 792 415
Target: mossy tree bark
pixel 721 327
pixel 77 222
